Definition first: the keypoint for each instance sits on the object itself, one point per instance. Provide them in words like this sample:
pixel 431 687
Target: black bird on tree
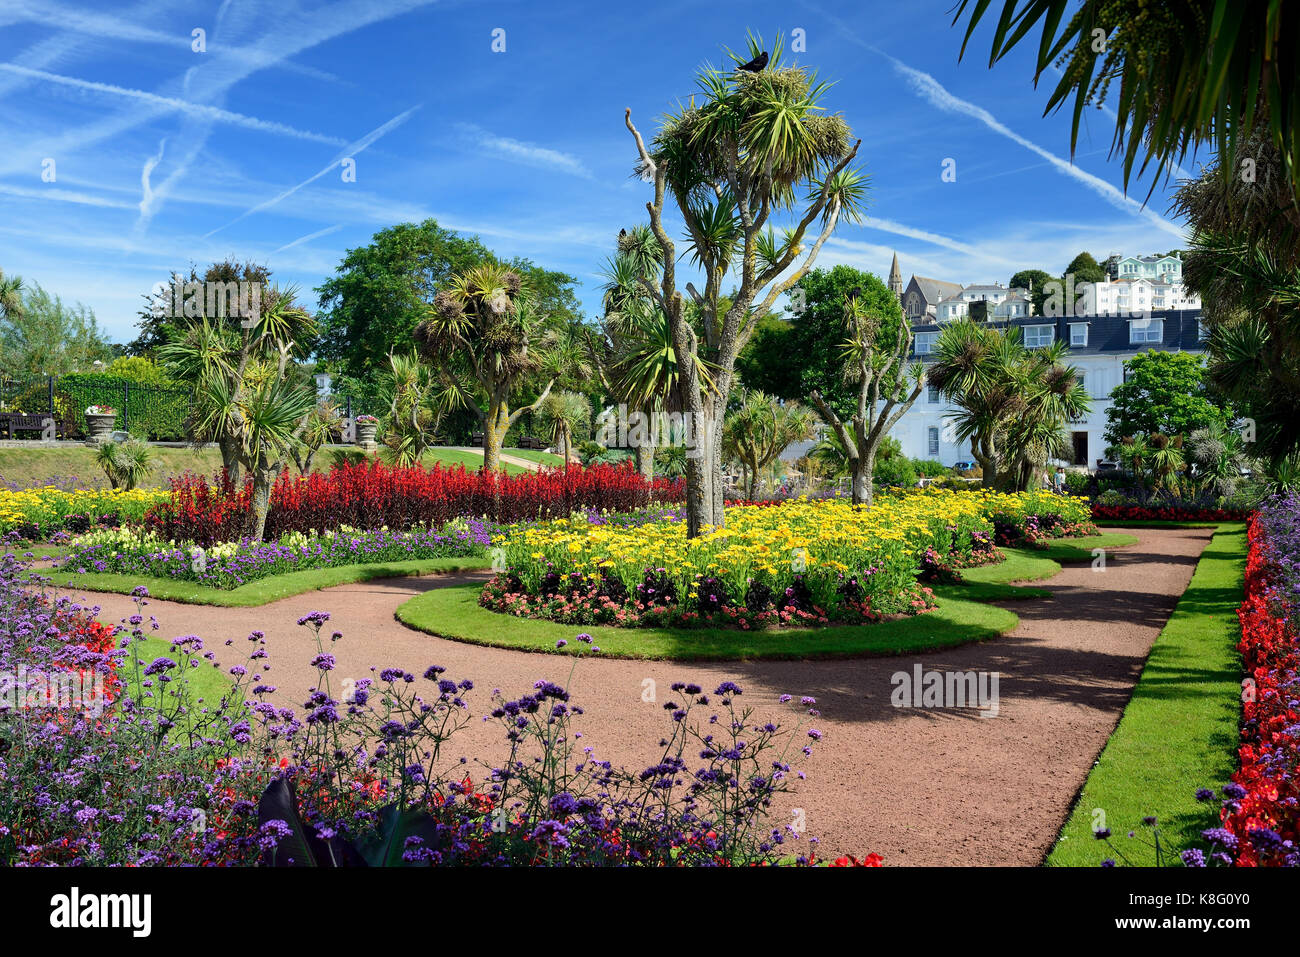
pixel 755 65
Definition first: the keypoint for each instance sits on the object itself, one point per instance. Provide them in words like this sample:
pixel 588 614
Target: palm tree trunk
pixel 264 475
pixel 494 432
pixel 229 446
pixel 645 462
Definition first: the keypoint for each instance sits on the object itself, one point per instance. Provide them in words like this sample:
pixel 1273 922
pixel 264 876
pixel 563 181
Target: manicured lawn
pixel 35 463
pixel 535 455
pixel 963 616
pixel 265 590
pixel 1179 731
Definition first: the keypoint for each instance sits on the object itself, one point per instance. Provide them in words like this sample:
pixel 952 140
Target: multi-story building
pixel 1099 345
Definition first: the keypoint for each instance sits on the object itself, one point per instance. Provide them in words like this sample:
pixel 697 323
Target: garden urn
pixel 366 433
pixel 99 427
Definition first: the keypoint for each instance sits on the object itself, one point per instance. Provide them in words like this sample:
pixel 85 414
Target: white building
pixel 1133 314
pixel 1099 346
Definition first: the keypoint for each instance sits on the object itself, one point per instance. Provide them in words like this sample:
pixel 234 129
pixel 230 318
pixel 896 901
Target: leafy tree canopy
pixel 1163 392
pixel 808 354
pixel 382 291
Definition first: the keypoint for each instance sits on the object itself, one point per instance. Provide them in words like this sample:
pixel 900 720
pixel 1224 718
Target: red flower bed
pixel 1269 811
pixel 373 494
pixel 1167 513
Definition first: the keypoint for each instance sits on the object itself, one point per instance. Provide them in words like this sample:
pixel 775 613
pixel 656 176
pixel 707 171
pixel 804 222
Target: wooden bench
pixel 476 440
pixel 12 422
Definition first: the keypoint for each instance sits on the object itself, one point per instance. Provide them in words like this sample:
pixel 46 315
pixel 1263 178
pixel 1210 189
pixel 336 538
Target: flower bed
pixel 804 563
pixel 373 495
pixel 1166 513
pixel 35 514
pixel 231 564
pixel 160 779
pixel 1261 817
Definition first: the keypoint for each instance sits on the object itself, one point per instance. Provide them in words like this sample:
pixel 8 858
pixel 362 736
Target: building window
pixel 1036 337
pixel 925 342
pixel 1146 330
pixel 932 394
pixel 1078 334
pixel 932 437
pixel 1202 330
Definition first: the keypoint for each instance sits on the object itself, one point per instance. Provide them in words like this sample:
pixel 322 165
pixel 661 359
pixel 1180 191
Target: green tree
pixel 43 336
pixel 1085 268
pixel 771 362
pixel 1189 72
pixel 812 358
pixel 380 292
pixel 138 369
pixel 873 360
pixel 749 146
pixel 1162 392
pixel 158 323
pixel 483 338
pixel 759 429
pixel 1035 280
pixel 247 397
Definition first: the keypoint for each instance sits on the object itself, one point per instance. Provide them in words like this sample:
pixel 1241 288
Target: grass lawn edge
pixel 965 614
pixel 264 590
pixel 1179 730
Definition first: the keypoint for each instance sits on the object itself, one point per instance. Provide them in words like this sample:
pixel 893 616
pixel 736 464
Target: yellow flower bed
pixel 821 543
pixel 49 508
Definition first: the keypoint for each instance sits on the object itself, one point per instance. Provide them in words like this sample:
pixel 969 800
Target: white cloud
pixel 63 196
pixel 172 104
pixel 529 154
pixel 308 238
pixel 350 151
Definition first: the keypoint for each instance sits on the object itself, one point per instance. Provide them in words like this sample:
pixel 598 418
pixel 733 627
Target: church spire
pixel 896 279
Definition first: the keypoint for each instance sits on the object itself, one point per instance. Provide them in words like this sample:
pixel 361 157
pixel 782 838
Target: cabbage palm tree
pixel 760 429
pixel 875 361
pixel 1188 74
pixel 750 146
pixel 563 414
pixel 1218 455
pixel 483 339
pixel 1012 404
pixel 245 396
pixel 639 358
pixel 11 296
pixel 411 423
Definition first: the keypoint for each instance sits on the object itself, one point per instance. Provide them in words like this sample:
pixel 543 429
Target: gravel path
pixel 918 786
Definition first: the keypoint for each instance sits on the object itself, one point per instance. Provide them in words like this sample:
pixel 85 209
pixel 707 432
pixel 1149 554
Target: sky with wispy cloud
pixel 163 156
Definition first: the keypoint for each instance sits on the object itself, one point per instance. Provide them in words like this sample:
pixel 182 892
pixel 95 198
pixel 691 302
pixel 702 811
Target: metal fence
pixel 158 412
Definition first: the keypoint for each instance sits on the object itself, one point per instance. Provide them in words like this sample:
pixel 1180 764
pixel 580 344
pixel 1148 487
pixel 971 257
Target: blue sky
pixel 165 156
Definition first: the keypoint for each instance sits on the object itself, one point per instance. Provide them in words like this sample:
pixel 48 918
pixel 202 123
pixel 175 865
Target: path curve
pixel 917 786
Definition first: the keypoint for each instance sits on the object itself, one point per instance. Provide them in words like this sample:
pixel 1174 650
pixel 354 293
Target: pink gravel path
pixel 916 786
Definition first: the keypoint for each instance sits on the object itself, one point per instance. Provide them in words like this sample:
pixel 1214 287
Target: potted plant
pixel 99 424
pixel 366 428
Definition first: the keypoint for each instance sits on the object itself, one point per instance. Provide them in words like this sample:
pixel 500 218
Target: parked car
pixel 964 466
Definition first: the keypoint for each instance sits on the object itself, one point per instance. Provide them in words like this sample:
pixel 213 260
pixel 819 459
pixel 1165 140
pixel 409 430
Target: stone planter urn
pixel 366 435
pixel 99 427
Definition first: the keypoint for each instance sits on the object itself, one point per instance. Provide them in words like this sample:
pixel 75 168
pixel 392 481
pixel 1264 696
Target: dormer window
pixel 1141 331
